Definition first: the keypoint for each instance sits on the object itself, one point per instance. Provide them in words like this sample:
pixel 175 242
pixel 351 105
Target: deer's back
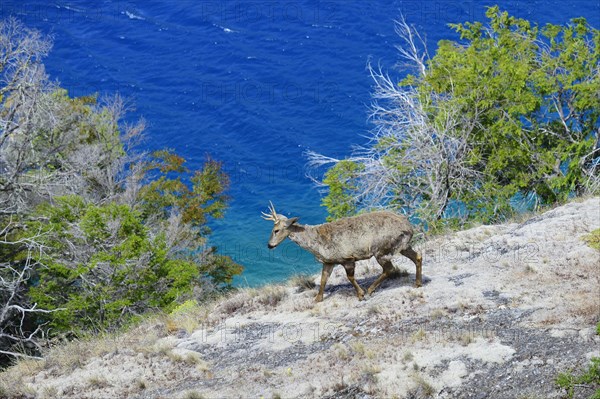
pixel 365 235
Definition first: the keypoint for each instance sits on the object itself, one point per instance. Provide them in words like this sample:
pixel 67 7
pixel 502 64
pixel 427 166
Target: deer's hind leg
pixel 349 266
pixel 388 269
pixel 417 260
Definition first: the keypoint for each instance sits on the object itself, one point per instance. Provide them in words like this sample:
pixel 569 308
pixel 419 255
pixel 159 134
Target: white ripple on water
pixel 133 16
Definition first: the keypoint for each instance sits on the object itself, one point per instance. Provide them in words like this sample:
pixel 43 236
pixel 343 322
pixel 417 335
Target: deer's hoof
pixel 418 284
pixel 360 294
pixel 319 298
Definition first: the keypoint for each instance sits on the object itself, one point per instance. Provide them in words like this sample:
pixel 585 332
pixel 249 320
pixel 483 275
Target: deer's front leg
pixel 327 269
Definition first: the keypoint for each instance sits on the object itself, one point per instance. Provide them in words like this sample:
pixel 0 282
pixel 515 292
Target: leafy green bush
pixel 593 239
pixel 590 380
pixel 341 180
pixel 132 239
pixel 105 263
pixel 102 264
pixel 503 119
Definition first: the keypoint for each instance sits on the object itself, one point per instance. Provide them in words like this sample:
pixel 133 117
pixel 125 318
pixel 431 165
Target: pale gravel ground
pixel 502 310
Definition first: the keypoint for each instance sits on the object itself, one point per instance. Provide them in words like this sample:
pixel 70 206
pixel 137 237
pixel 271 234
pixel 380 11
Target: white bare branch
pixel 410 155
pixel 414 50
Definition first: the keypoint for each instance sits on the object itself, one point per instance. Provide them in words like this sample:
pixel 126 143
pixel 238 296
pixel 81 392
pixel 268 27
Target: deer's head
pixel 281 227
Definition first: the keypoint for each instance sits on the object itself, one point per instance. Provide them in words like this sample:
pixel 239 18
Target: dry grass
pixel 249 299
pixel 424 387
pixel 374 310
pixel 303 282
pixel 367 363
pixel 51 392
pixel 530 269
pixel 358 347
pixel 187 358
pixel 141 384
pixel 584 305
pixel 437 314
pixel 98 382
pixel 414 294
pixel 368 375
pixel 270 295
pixel 192 395
pixel 13 385
pixel 187 317
pixel 29 366
pixel 76 354
pixel 236 302
pixel 419 335
pixel 466 338
pixel 341 352
pixel 303 304
pixel 73 357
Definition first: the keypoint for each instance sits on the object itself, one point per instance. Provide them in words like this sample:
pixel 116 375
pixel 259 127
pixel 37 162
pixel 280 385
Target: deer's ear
pixel 290 222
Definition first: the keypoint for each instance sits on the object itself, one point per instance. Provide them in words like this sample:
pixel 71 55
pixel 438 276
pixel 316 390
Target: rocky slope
pixel 502 311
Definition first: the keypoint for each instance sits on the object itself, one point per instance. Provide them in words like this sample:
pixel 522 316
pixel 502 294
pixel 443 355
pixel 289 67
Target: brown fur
pixel 382 235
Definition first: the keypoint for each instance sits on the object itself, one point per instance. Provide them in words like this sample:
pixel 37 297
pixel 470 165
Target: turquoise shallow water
pixel 252 83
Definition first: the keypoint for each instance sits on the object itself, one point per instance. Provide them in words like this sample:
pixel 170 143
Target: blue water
pixel 253 84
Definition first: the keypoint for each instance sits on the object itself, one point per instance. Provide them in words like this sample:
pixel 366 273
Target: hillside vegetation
pixel 504 310
pixel 502 118
pixel 109 288
pixel 93 231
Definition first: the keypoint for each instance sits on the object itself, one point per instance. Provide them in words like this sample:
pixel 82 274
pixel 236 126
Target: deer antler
pixel 272 216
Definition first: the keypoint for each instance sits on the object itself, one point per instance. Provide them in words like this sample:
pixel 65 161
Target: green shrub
pixel 102 265
pixel 590 380
pixel 471 136
pixel 341 181
pixel 593 239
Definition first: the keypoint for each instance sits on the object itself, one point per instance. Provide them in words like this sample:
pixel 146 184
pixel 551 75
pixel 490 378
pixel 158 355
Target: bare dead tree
pixel 21 70
pixel 18 337
pixel 410 155
pixel 414 51
pixel 50 145
pixel 591 169
pixel 53 145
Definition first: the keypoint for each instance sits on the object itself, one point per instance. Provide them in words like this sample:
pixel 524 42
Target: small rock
pixel 587 334
pixel 537 362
